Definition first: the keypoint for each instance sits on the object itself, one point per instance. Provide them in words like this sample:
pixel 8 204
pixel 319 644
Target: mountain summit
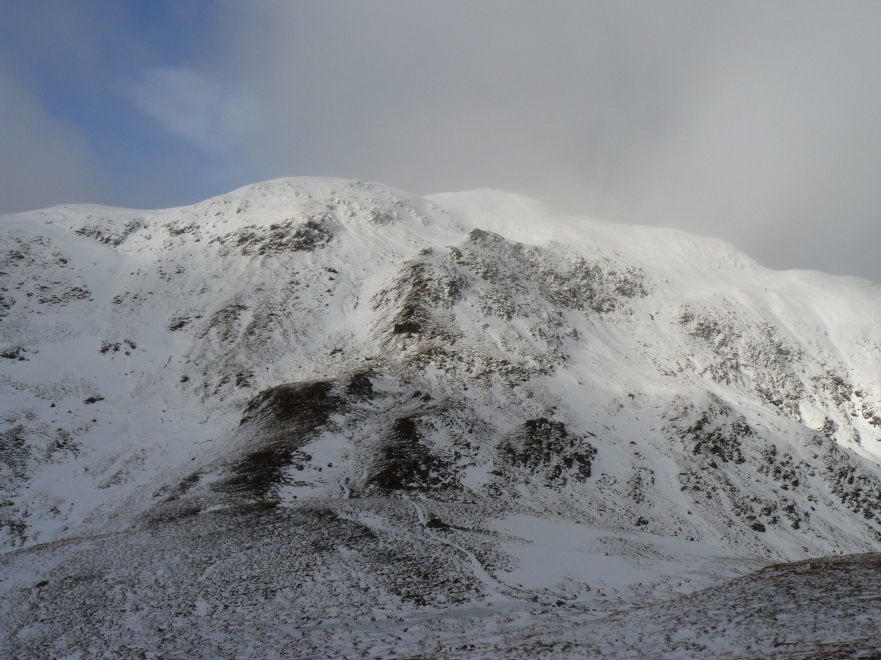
pixel 315 413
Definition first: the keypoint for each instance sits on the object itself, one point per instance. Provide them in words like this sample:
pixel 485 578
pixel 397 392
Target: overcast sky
pixel 759 123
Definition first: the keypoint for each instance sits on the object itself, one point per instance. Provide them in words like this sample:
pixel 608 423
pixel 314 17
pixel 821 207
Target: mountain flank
pixel 317 416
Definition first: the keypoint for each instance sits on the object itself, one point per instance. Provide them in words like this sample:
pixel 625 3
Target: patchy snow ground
pixel 326 417
pixel 826 608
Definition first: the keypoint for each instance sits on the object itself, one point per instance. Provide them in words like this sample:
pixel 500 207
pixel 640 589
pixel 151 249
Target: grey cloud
pixel 43 161
pixel 752 121
pixel 756 122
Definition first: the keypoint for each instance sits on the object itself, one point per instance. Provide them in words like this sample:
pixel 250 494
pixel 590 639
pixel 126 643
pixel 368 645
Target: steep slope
pixel 415 395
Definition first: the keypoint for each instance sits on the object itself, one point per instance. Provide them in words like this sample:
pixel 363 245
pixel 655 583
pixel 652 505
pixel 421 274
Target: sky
pixel 755 122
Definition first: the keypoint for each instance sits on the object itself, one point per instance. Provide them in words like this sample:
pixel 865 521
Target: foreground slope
pixel 819 609
pixel 341 400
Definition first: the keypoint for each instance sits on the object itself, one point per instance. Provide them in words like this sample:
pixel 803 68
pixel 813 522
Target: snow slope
pixel 434 403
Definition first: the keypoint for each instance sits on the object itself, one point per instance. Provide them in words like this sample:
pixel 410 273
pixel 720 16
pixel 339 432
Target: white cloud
pixel 195 108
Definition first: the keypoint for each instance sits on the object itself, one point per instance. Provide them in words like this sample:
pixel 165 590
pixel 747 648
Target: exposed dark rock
pixel 176 323
pixel 717 432
pixel 855 486
pixel 747 354
pixel 407 326
pixel 837 388
pixel 575 283
pixel 288 236
pixel 404 462
pixel 422 294
pixel 872 413
pixel 279 422
pixel 544 448
pixel 109 232
pixel 360 385
pixel 16 353
pixel 640 483
pixel 15 452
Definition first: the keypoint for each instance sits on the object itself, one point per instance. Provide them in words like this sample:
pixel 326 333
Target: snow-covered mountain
pixel 345 409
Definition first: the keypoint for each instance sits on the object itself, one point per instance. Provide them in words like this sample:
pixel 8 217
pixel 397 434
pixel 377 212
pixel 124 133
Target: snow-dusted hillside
pixel 369 402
